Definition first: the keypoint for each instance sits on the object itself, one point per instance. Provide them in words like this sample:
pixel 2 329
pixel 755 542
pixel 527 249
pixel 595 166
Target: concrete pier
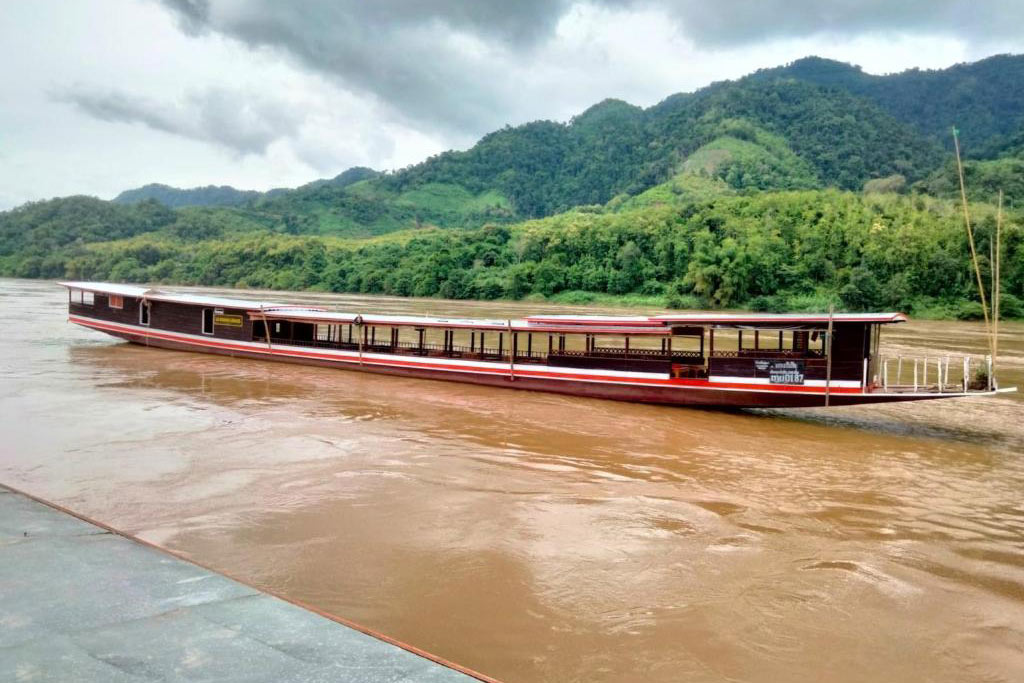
pixel 81 603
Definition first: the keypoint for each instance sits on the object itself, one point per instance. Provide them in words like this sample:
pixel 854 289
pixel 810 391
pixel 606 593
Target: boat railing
pixel 932 374
pixel 620 352
pixel 769 353
pixel 491 353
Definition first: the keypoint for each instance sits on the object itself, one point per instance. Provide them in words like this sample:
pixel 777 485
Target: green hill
pixel 225 195
pixel 984 98
pixel 820 123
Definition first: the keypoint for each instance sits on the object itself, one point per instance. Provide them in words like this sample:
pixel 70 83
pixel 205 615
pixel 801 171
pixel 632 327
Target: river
pixel 537 537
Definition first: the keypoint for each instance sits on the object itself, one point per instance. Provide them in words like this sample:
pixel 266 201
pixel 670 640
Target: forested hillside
pixel 985 98
pixel 791 187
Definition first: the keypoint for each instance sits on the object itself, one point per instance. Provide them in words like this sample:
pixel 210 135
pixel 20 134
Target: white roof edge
pixel 182 297
pixel 108 288
pixel 591 318
pixel 780 317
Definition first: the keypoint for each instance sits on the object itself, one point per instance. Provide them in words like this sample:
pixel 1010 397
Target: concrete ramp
pixel 81 603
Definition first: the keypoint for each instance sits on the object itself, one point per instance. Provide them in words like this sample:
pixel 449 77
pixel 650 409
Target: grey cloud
pixel 746 21
pixel 241 122
pixel 447 63
pixel 192 14
pixel 443 62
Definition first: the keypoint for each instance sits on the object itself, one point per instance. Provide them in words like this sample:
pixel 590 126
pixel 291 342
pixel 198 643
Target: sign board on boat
pixel 780 371
pixel 227 320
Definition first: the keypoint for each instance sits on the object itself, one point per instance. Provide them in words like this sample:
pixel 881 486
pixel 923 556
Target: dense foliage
pixel 768 251
pixel 985 99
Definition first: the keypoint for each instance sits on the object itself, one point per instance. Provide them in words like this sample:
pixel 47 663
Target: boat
pixel 735 360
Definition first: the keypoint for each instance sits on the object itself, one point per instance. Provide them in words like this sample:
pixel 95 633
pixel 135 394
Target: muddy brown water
pixel 536 537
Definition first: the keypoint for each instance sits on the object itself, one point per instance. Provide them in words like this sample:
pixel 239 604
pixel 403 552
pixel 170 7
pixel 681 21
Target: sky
pixel 101 96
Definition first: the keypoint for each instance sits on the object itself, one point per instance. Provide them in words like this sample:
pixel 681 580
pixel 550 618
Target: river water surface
pixel 536 537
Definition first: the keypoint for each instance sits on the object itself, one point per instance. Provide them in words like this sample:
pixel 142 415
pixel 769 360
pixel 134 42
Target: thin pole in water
pixel 996 275
pixel 970 238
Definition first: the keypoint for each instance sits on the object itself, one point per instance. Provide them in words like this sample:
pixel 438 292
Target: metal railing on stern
pixel 933 374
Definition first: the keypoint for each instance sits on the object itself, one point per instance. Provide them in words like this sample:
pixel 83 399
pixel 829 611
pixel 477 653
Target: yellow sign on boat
pixel 228 320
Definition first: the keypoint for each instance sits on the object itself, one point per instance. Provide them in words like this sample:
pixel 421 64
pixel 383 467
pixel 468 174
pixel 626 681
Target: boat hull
pixel 612 386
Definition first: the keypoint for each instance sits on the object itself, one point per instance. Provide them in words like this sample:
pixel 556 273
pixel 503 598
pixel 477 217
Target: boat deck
pixel 81 603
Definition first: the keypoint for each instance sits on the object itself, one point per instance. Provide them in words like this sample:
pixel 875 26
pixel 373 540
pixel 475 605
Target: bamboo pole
pixel 970 238
pixel 996 296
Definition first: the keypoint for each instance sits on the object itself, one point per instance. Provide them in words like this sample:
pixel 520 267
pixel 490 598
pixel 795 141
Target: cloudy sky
pixel 101 96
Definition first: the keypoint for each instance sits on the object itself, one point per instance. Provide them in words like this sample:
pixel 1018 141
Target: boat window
pixel 207 321
pixel 144 313
pixel 115 301
pixel 80 296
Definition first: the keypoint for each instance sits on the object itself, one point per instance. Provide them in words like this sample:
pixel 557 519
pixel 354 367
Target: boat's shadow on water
pixel 906 421
pixel 229 381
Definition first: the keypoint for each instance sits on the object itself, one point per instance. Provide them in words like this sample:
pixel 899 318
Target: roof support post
pixel 828 356
pixel 512 352
pixel 266 330
pixel 359 335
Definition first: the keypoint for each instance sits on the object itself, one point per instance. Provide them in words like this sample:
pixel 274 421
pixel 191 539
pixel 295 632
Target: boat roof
pixel 200 299
pixel 768 319
pixel 107 288
pixel 589 324
pixel 603 320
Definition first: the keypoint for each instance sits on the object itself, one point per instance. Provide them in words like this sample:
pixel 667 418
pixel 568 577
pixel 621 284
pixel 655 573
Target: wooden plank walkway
pixel 79 602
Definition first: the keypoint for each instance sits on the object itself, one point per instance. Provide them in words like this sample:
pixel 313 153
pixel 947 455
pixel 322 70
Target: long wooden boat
pixel 693 359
